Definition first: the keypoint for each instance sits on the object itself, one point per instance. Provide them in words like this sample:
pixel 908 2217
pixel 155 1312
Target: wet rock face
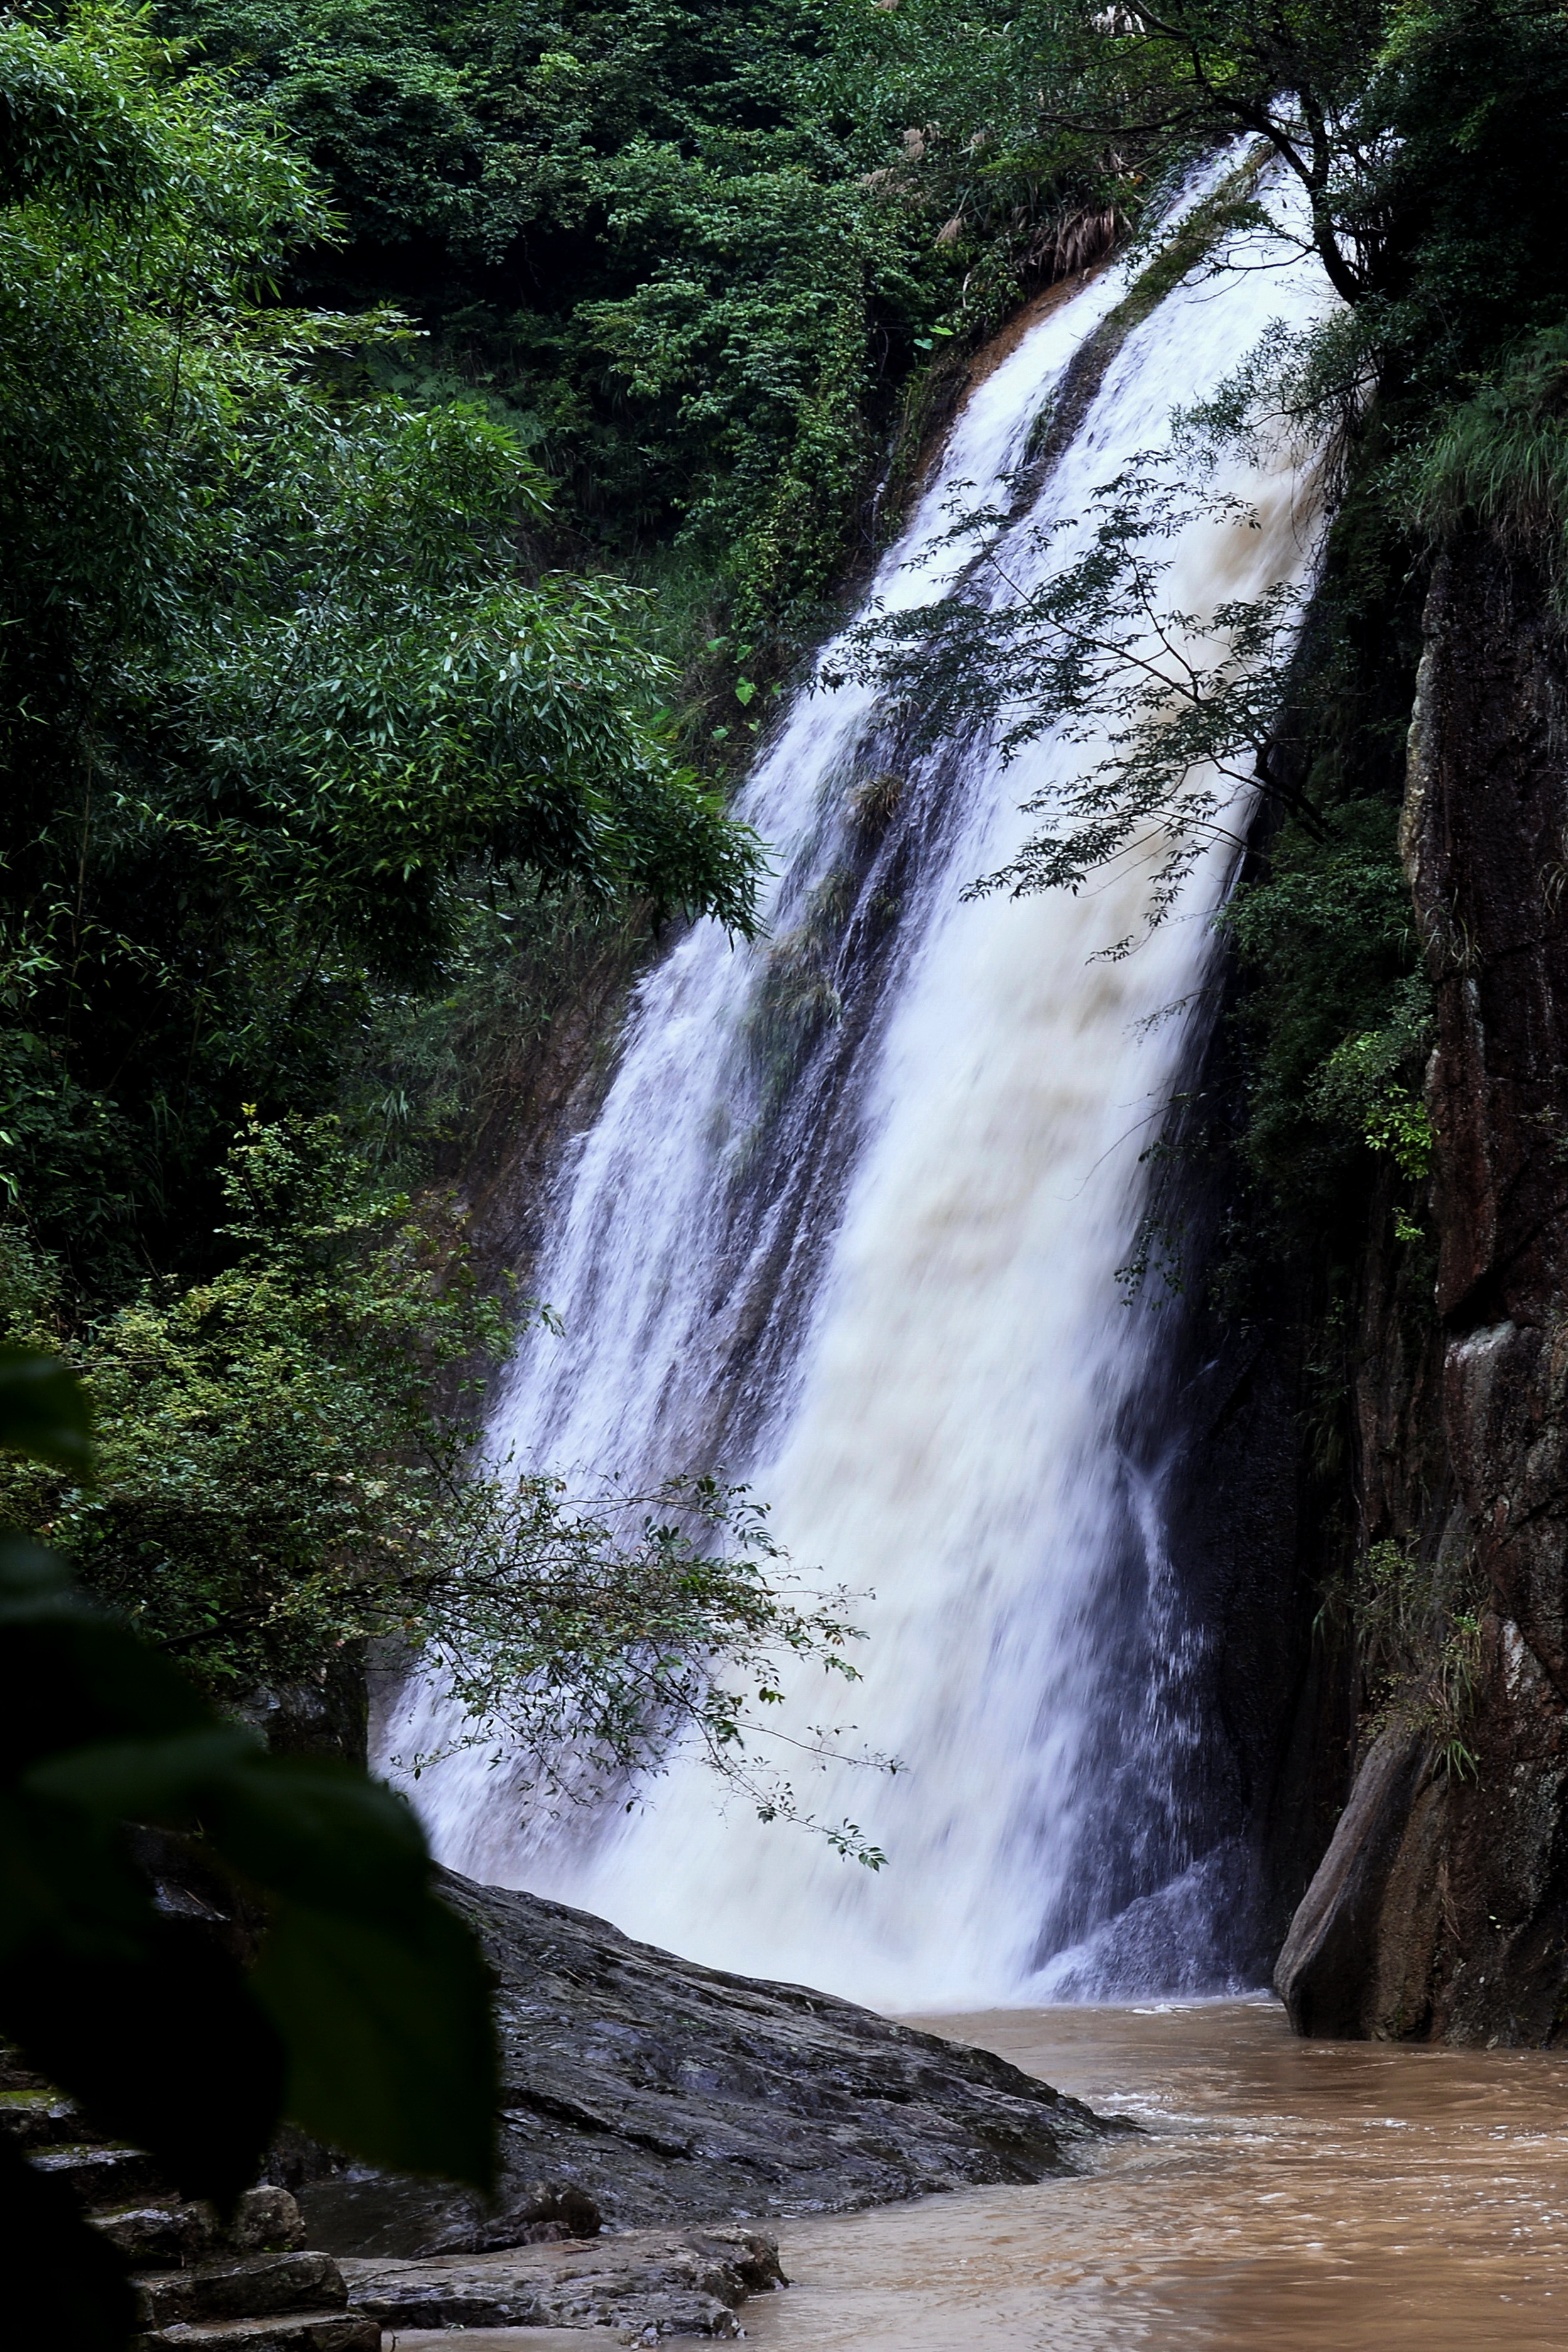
pixel 1440 1910
pixel 650 2283
pixel 1442 1906
pixel 1323 1971
pixel 644 2090
pixel 1485 845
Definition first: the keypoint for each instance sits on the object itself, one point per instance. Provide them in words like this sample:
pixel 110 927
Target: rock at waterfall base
pixel 671 2282
pixel 651 2093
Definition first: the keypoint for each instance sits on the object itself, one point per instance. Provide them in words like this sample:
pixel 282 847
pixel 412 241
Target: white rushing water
pixel 862 1249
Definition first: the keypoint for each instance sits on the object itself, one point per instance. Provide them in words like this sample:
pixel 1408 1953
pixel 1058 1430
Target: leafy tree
pixel 1172 80
pixel 1428 141
pixel 270 1457
pixel 363 2011
pixel 278 677
pixel 585 1637
pixel 286 1471
pixel 1186 709
pixel 699 250
pixel 287 693
pixel 1404 127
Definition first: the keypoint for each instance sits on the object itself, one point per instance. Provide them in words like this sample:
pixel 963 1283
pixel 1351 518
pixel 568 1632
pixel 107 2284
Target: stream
pixel 1302 2195
pixel 1308 2196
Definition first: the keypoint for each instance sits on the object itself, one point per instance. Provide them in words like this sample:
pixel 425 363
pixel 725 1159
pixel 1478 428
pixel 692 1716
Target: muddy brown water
pixel 1306 2196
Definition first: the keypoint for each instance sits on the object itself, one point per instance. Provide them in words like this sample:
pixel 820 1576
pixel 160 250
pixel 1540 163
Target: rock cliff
pixel 1441 1907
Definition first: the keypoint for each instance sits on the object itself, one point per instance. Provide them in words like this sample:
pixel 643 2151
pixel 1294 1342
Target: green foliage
pixel 702 248
pixel 268 1449
pixel 277 679
pixel 1186 706
pixel 438 1076
pixel 747 343
pixel 1442 127
pixel 1500 459
pixel 586 1637
pixel 301 731
pixel 276 1479
pixel 1471 100
pixel 1362 1085
pixel 1330 938
pixel 646 239
pixel 365 2016
pixel 1419 1651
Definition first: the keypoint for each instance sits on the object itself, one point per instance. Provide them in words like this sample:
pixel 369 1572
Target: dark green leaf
pixel 44 1411
pixel 143 1779
pixel 75 1678
pixel 391 2043
pixel 322 1835
pixel 169 2048
pixel 65 2286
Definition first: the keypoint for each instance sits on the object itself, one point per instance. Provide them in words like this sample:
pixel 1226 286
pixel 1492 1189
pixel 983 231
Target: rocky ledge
pixel 648 2284
pixel 642 2091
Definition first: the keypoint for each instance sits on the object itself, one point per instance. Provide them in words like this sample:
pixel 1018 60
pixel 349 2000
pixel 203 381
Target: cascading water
pixel 849 1223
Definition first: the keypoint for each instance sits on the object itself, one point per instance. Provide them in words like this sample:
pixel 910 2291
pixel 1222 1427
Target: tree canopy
pixel 279 666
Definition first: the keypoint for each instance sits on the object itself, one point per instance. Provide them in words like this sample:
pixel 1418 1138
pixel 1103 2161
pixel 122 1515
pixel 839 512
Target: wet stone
pixel 305 2331
pixel 675 2283
pixel 256 2287
pixel 662 2093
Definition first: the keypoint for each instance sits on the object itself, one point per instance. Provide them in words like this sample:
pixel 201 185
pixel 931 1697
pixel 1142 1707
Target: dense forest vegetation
pixel 427 438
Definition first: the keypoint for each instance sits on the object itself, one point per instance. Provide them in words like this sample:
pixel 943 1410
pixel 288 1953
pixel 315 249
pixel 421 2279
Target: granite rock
pixel 652 2092
pixel 1441 1908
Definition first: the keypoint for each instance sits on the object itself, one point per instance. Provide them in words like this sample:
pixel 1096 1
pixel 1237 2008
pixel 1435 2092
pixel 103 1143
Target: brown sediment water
pixel 503 2340
pixel 1305 2196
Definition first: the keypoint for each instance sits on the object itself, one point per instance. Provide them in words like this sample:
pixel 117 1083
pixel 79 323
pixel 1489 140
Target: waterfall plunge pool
pixel 1297 2196
pixel 1305 2196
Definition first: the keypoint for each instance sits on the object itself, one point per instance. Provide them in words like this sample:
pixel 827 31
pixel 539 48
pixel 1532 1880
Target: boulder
pixel 648 2091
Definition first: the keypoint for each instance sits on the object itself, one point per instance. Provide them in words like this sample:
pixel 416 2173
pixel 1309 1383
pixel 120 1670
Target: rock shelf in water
pixel 642 2091
pixel 652 2282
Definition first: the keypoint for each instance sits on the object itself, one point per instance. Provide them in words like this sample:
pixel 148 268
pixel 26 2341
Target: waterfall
pixel 849 1223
